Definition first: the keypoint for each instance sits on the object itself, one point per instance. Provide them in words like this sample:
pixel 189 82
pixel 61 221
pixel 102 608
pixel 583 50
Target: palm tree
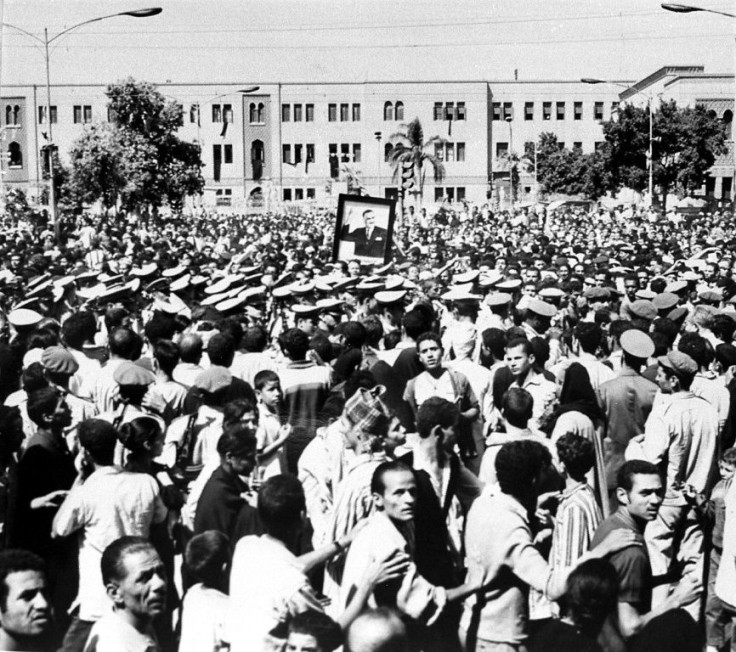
pixel 408 146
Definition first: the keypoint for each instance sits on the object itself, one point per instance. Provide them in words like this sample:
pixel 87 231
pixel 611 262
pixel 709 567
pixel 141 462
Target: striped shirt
pixel 578 517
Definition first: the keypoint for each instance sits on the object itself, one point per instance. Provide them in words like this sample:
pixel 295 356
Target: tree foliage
pixel 686 142
pixel 137 158
pixel 570 172
pixel 408 145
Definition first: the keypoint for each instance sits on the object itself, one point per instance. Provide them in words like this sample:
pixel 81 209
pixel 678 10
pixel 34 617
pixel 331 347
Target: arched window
pixel 8 115
pixel 257 156
pixel 260 112
pixel 728 123
pixel 16 156
pixel 387 148
pixel 388 111
pixel 16 115
pixel 252 113
pixel 399 110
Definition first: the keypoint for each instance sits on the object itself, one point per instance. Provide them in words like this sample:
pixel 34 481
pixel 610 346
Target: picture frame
pixel 354 224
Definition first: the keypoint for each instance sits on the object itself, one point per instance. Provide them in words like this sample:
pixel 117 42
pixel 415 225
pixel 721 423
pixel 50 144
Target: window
pixel 459 111
pixel 194 113
pixel 598 111
pixel 15 156
pixel 332 112
pixel 216 161
pixel 546 110
pixel 439 193
pixel 228 154
pixel 12 115
pixel 285 112
pixel 297 113
pixel 216 113
pixel 388 111
pixel 529 150
pixel 356 112
pixel 345 153
pixel 497 110
pixel 309 113
pixel 577 110
pixel 334 163
pixel 577 146
pixel 460 152
pixel 399 111
pixel 439 151
pixel 528 110
pixel 87 114
pixel 310 193
pixel 287 194
pixel 286 153
pixel 344 113
pixel 560 110
pixel 387 148
pixel 728 123
pixel 502 149
pixel 227 110
pixel 257 156
pixel 297 154
pixel 438 111
pixel 255 113
pixel 614 108
pixel 460 192
pixel 42 115
pixel 449 152
pixel 356 152
pixel 110 114
pixel 508 111
pixel 449 110
pixel 224 197
pixel 310 152
pixel 298 194
pixel 77 114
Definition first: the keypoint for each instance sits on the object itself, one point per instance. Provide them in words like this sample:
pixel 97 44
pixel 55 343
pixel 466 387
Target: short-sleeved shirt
pixel 631 564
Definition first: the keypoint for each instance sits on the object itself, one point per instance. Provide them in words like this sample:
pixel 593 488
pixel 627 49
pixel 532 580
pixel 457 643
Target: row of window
pixel 298 150
pixel 296 194
pixel 450 152
pixel 297 112
pixel 345 112
pixel 222 154
pixel 449 193
pixel 449 111
pixel 505 110
pixel 344 150
pixel 502 148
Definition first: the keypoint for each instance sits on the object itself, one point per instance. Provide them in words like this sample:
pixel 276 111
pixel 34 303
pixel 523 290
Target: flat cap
pixel 636 343
pixel 213 379
pixel 129 373
pixel 59 360
pixel 597 294
pixel 665 301
pixel 644 309
pixel 679 362
pixel 541 308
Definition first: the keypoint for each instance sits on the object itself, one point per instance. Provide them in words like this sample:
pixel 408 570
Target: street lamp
pixel 650 153
pixel 689 9
pixel 378 136
pixel 45 42
pixel 509 119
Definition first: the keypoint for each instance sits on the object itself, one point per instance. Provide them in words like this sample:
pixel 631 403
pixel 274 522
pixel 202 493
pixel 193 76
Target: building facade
pixel 280 143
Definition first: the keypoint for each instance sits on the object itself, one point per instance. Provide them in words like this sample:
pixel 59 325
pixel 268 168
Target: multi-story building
pixel 295 142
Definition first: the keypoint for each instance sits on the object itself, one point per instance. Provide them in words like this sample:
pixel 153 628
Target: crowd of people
pixel 517 434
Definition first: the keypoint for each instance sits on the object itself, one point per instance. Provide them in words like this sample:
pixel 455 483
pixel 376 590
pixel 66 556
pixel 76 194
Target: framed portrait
pixel 364 229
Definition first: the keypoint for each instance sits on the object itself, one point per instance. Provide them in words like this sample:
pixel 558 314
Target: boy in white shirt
pixel 271 435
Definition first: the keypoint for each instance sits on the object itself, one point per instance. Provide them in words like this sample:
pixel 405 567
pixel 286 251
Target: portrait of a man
pixel 363 229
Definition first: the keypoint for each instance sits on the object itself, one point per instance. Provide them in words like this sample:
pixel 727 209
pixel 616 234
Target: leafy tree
pixel 686 142
pixel 137 158
pixel 408 145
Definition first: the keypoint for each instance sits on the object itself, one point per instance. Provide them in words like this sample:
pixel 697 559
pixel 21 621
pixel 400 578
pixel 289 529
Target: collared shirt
pixel 267 586
pixel 506 564
pixel 246 365
pixel 714 391
pixel 110 504
pixel 186 373
pixel 113 633
pixel 269 430
pixel 543 391
pixel 681 434
pixel 578 516
pixel 102 388
pixel 87 367
pixel 206 429
pixel 496 440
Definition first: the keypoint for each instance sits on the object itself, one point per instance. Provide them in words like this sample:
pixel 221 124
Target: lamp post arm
pixel 85 22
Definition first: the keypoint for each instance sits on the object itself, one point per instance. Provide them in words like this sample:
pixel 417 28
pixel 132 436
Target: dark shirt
pixel 46 466
pixel 222 507
pixel 558 636
pixel 631 564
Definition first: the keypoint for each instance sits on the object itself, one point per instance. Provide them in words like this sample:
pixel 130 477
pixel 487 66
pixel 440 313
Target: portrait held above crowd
pixel 476 431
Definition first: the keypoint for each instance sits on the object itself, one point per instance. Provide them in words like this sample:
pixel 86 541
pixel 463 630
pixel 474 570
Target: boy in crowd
pixel 271 435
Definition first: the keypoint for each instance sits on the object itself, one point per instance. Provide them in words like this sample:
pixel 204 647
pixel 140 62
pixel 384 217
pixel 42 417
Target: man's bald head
pixel 190 348
pixel 377 630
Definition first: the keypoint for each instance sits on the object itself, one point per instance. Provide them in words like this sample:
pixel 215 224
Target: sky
pixel 268 41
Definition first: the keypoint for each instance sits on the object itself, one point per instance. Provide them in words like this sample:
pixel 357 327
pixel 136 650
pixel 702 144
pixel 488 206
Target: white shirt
pixel 112 633
pixel 101 387
pixel 267 586
pixel 186 372
pixel 203 619
pixel 110 504
pixel 207 430
pixel 87 368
